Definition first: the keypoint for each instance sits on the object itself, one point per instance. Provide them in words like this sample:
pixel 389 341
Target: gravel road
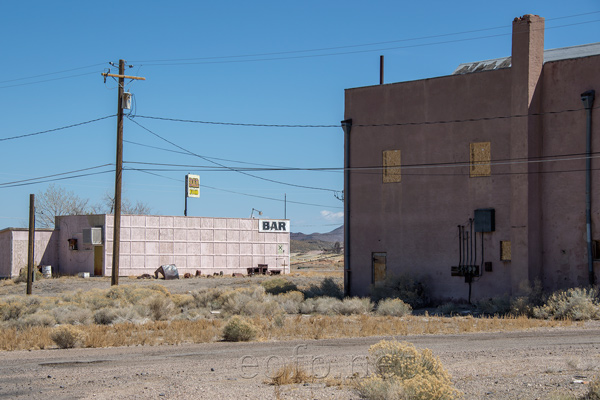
pixel 531 364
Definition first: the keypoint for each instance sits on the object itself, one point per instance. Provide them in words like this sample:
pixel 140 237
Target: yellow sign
pixel 192 185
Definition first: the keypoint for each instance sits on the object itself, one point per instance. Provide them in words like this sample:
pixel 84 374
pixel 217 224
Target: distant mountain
pixel 336 235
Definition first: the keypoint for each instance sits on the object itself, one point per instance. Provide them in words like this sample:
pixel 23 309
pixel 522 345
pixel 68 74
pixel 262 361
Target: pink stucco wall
pixel 14 246
pixel 210 245
pixel 538 209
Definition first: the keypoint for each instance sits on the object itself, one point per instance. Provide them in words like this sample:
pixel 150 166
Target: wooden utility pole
pixel 118 171
pixel 31 244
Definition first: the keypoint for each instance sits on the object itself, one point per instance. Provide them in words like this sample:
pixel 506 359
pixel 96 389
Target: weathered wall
pixel 14 246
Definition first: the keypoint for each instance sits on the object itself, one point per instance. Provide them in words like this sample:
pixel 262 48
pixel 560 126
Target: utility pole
pixel 31 244
pixel 118 171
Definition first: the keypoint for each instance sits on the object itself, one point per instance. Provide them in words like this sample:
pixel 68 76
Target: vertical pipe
pixel 588 102
pixel 381 70
pixel 285 206
pixel 347 127
pixel 31 244
pixel 459 246
pixel 470 241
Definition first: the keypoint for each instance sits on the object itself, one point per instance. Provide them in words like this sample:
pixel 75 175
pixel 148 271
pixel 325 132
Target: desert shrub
pixel 105 316
pixel 37 319
pixel 238 329
pixel 327 288
pixel 290 301
pixel 72 314
pixel 575 303
pixel 354 305
pixel 393 307
pixel 7 282
pixel 66 336
pixel 494 305
pixel 160 307
pixel 530 296
pixel 278 286
pixel 404 372
pixel 289 374
pixel 207 298
pixel 449 308
pixel 593 390
pixel 23 275
pixel 404 287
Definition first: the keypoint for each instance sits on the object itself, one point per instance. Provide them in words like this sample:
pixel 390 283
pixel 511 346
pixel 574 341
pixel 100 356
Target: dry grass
pixel 289 374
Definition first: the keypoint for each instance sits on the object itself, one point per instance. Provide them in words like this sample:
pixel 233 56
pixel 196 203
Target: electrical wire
pixel 56 129
pixel 47 80
pixel 204 60
pixel 54 175
pixel 238 123
pixel 51 73
pixel 239 193
pixel 57 179
pixel 230 168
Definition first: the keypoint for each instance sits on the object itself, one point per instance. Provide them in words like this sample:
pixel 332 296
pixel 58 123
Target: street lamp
pixel 252 213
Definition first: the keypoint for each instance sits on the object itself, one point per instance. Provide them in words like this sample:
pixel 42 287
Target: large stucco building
pixel 483 170
pixel 84 243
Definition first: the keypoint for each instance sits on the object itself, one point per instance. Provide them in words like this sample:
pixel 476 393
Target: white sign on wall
pixel 274 225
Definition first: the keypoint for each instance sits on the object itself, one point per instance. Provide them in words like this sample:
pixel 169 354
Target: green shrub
pixel 393 307
pixel 327 288
pixel 494 305
pixel 278 286
pixel 404 287
pixel 403 372
pixel 239 330
pixel 66 336
pixel 575 303
pixel 105 316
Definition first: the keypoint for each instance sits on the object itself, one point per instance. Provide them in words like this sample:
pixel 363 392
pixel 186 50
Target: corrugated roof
pixel 563 53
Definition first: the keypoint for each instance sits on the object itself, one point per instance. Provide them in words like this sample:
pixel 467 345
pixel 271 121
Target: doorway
pixel 378 267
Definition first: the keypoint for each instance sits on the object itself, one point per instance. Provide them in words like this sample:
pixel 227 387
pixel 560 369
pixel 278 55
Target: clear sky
pixel 260 62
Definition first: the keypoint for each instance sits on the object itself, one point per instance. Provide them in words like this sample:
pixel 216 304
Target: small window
pixel 596 250
pixel 379 267
pixel 480 158
pixel 505 251
pixel 391 166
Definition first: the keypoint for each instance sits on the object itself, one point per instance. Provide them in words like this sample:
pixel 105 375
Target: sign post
pixel 192 188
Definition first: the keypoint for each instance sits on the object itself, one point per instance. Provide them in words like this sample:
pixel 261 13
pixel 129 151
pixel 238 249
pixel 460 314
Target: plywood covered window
pixel 391 166
pixel 505 250
pixel 480 158
pixel 378 267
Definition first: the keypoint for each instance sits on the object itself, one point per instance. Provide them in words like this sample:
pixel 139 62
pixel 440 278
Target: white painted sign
pixel 192 185
pixel 274 225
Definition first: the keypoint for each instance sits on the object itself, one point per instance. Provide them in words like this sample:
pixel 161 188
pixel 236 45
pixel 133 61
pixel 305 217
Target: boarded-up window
pixel 505 251
pixel 391 166
pixel 596 249
pixel 378 267
pixel 480 158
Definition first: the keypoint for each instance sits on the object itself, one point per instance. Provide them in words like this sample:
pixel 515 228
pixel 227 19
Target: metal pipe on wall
pixel 588 102
pixel 347 126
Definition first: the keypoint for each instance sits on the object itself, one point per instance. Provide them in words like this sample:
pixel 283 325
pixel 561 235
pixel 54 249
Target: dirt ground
pixel 526 365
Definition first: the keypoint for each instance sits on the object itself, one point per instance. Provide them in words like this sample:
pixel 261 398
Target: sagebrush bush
pixel 355 305
pixel 494 306
pixel 404 372
pixel 105 316
pixel 72 314
pixel 161 308
pixel 66 336
pixel 393 307
pixel 575 303
pixel 238 329
pixel 593 390
pixel 208 298
pixel 23 275
pixel 278 286
pixel 403 287
pixel 327 288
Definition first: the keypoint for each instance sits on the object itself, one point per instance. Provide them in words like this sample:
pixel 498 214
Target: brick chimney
pixel 525 141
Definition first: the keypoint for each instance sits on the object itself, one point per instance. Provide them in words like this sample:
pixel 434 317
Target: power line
pixel 230 168
pixel 57 179
pixel 227 59
pixel 56 129
pixel 47 80
pixel 54 175
pixel 238 123
pixel 52 73
pixel 239 193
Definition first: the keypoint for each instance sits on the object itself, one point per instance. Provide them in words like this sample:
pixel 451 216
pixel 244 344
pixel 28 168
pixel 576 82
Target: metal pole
pixel 285 206
pixel 588 102
pixel 381 70
pixel 187 181
pixel 118 178
pixel 347 126
pixel 31 247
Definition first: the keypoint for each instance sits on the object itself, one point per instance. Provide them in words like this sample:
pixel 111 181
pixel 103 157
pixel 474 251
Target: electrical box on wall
pixel 485 220
pixel 92 236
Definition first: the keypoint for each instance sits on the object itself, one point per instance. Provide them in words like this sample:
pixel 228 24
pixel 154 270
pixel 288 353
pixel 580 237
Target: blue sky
pixel 229 61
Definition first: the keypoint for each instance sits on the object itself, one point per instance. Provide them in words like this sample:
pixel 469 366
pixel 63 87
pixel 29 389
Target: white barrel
pixel 47 271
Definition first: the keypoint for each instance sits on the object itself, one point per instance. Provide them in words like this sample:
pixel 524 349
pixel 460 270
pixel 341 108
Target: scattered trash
pixel 580 381
pixel 168 272
pixel 145 276
pixel 83 275
pixel 237 275
pixel 187 275
pixel 198 273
